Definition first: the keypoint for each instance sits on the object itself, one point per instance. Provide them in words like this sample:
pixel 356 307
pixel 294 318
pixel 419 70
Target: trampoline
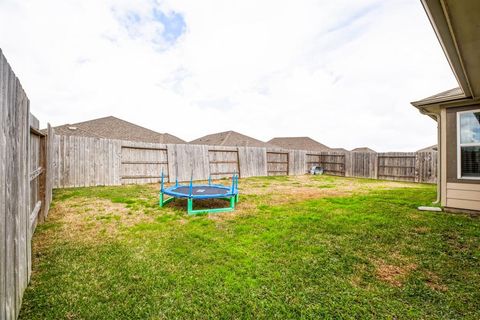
pixel 201 191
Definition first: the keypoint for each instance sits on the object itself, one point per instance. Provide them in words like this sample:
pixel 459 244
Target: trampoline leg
pixel 190 210
pixel 190 206
pixel 163 202
pixel 236 198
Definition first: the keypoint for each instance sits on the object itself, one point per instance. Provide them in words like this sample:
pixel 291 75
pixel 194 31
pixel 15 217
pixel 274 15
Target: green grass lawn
pixel 296 247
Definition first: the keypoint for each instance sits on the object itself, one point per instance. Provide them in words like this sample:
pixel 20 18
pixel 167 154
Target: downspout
pixel 439 147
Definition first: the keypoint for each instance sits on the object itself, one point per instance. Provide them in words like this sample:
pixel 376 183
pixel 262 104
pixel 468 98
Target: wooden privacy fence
pixel 86 161
pixel 26 163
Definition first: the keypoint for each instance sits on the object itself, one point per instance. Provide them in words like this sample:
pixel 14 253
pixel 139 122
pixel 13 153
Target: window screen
pixel 469 144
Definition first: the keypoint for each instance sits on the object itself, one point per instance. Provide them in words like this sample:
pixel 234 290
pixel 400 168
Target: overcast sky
pixel 342 72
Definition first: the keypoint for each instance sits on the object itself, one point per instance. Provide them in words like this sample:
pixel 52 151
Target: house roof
pixel 449 95
pixel 115 128
pixel 458 31
pixel 298 143
pixel 230 138
pixel 428 149
pixel 363 149
pixel 339 149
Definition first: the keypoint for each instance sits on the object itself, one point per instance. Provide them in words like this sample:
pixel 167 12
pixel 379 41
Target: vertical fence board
pixel 3 168
pixel 10 208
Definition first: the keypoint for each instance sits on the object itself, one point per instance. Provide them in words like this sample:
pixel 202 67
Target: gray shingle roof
pixel 230 138
pixel 455 93
pixel 298 143
pixel 363 149
pixel 428 149
pixel 114 128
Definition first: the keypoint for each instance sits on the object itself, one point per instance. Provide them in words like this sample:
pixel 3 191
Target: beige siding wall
pixel 463 196
pixel 456 193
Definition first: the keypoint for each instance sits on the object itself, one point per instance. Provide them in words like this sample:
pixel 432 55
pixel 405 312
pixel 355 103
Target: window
pixel 468 144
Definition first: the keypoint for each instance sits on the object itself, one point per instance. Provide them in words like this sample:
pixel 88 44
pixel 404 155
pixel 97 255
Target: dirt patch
pixel 393 274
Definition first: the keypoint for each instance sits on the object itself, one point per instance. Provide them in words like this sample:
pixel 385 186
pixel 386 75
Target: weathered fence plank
pixel 11 196
pixel 3 180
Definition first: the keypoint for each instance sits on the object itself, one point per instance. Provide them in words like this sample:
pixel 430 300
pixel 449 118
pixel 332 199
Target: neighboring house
pixel 298 143
pixel 339 150
pixel 230 138
pixel 364 149
pixel 429 149
pixel 457 111
pixel 114 128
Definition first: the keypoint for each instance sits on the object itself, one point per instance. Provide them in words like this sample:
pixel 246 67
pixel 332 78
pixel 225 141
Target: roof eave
pixel 436 101
pixel 438 14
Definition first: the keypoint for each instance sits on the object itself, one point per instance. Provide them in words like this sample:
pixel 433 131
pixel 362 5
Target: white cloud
pixel 340 72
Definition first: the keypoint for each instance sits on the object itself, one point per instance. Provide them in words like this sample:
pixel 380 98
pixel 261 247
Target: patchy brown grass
pixel 394 273
pixel 434 282
pixel 87 220
pixel 301 188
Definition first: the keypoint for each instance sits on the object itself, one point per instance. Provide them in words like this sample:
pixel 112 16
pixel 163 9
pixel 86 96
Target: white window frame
pixel 459 146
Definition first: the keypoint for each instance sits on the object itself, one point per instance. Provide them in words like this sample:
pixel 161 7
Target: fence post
pixel 348 164
pixel 417 167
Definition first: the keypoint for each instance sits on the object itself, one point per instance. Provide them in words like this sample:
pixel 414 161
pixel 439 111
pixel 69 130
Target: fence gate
pixel 143 164
pixel 426 167
pixel 277 163
pixel 223 163
pixel 397 166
